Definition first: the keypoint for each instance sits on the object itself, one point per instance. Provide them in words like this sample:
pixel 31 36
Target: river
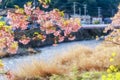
pixel 47 53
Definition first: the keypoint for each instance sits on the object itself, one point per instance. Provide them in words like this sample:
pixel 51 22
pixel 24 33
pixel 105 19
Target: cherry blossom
pixel 10 75
pixel 7 39
pixel 71 37
pixel 55 44
pixel 50 23
pixel 56 33
pixel 61 38
pixel 13 48
pixel 24 40
pixel 45 5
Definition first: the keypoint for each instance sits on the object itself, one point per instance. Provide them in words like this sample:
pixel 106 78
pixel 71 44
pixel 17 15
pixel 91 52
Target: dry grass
pixel 36 68
pixel 84 58
pixel 88 59
pixel 105 51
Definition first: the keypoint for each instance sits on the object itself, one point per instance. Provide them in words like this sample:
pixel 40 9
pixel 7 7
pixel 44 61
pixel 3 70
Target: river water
pixel 47 53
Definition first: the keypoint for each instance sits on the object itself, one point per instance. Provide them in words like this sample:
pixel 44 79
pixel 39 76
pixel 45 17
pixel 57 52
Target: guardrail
pixel 90 26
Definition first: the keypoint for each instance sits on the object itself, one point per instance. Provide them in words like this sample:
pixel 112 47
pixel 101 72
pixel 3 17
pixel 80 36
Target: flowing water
pixel 47 53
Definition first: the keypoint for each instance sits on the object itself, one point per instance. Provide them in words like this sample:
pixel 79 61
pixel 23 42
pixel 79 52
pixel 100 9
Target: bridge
pixel 92 26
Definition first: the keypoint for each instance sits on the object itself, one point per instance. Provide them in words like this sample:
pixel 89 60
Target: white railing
pixel 94 25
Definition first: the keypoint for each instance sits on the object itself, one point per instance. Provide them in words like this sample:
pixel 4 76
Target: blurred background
pixel 90 11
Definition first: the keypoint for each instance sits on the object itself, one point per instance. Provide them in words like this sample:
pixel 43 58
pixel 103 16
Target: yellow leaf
pixel 14 45
pixel 16 6
pixel 62 13
pixel 2 23
pixel 29 3
pixel 45 1
pixel 1 64
pixel 36 33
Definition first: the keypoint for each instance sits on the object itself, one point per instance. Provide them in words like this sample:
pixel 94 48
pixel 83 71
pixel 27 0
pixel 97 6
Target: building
pixel 85 19
pixel 97 20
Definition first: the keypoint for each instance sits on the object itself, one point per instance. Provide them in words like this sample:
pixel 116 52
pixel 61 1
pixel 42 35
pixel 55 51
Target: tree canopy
pixel 108 7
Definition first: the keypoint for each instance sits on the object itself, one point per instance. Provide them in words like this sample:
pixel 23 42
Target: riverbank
pixel 47 54
pixel 86 55
pixel 50 51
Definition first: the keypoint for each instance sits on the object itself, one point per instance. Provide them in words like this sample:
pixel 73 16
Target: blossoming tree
pixel 50 23
pixel 114 36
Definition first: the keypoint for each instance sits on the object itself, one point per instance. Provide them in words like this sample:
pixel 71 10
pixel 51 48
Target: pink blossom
pixel 55 44
pixel 2 45
pixel 67 32
pixel 56 33
pixel 75 28
pixel 45 6
pixel 10 75
pixel 71 38
pixel 44 38
pixel 50 22
pixel 28 9
pixel 25 41
pixel 12 48
pixel 61 38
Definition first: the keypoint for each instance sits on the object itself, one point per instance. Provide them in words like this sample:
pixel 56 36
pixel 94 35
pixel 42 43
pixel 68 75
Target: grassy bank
pixel 74 64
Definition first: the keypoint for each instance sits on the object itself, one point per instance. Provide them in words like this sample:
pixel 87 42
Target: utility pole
pixel 99 11
pixel 85 9
pixel 74 8
pixel 80 11
pixel 34 4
